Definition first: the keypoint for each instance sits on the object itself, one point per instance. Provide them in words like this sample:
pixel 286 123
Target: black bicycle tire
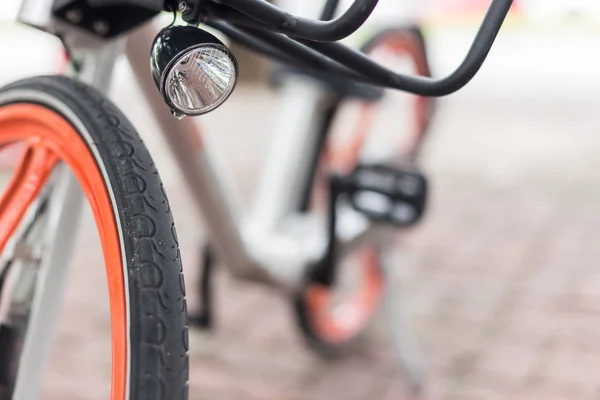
pixel 159 365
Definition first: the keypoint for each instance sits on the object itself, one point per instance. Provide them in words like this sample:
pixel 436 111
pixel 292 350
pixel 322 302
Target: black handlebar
pixel 306 28
pixel 311 43
pixel 329 9
pixel 426 86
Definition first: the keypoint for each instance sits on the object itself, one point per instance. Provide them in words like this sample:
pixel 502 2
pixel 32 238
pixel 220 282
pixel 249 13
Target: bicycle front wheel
pixel 70 134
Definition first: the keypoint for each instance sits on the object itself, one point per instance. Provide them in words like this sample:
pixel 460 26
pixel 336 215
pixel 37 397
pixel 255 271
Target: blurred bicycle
pixel 322 201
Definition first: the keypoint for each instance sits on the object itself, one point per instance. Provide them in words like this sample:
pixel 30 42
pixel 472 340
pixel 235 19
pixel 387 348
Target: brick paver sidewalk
pixel 502 286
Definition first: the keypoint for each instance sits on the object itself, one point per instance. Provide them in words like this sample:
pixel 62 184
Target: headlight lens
pixel 201 80
pixel 193 71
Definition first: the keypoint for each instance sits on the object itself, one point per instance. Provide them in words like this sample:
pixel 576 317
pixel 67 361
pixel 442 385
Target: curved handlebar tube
pixel 286 50
pixel 329 9
pixel 251 20
pixel 254 43
pixel 419 84
pixel 306 28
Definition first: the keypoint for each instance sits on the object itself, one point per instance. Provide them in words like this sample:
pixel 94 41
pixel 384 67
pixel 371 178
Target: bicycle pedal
pixel 391 193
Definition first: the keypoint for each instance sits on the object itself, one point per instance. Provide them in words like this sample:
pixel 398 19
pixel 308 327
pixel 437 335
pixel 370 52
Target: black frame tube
pixel 285 50
pixel 418 84
pixel 339 59
pixel 329 10
pixel 336 58
pixel 306 28
pixel 258 45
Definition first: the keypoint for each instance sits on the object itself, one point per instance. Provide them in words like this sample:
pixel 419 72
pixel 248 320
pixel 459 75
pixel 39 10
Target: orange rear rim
pixel 341 325
pixel 49 138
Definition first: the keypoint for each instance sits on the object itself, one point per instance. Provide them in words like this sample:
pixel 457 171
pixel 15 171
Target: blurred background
pixel 501 279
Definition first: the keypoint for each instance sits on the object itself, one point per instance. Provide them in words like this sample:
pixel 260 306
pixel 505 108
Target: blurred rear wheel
pixel 333 319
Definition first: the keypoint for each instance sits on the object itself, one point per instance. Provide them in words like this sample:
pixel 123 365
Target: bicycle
pixel 280 244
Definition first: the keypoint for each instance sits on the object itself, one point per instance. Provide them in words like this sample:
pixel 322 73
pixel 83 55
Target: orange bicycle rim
pixel 48 138
pixel 356 311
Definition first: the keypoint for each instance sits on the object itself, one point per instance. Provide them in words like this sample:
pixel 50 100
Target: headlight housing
pixel 193 70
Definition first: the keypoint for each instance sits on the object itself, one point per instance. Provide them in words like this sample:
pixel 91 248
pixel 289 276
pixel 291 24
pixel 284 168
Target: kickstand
pixel 402 333
pixel 204 318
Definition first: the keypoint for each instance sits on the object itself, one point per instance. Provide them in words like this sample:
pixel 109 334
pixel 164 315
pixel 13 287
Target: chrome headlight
pixel 193 71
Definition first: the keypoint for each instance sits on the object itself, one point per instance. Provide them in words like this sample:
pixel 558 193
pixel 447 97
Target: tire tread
pixel 158 310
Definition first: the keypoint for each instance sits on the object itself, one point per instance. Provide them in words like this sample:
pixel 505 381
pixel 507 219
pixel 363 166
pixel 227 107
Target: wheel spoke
pixel 31 173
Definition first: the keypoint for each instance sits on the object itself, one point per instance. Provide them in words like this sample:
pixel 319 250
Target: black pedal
pixel 391 193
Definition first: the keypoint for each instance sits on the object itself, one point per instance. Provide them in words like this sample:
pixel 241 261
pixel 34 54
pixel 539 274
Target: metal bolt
pixel 74 15
pixel 101 27
pixel 184 8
